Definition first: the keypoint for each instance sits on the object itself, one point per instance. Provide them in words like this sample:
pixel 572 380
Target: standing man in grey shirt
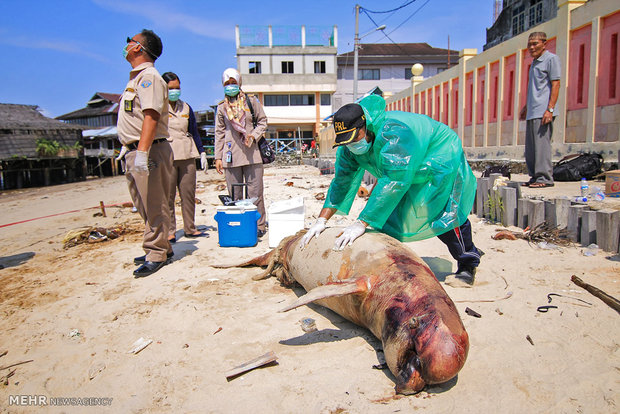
pixel 542 94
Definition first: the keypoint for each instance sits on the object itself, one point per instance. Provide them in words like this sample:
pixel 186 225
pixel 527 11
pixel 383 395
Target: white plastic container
pixel 286 218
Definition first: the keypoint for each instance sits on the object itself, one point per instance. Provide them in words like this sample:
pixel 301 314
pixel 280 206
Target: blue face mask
pixel 231 90
pixel 174 95
pixel 126 51
pixel 360 147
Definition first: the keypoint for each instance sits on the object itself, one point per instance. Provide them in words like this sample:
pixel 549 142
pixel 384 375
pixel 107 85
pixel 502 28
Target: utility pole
pixel 356 42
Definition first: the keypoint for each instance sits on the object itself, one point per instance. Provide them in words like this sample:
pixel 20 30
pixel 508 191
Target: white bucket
pixel 286 218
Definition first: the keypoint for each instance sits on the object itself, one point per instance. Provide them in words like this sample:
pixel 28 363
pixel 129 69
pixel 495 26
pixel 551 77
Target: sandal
pixel 541 185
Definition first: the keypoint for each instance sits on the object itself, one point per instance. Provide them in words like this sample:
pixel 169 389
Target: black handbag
pixel 574 167
pixel 267 153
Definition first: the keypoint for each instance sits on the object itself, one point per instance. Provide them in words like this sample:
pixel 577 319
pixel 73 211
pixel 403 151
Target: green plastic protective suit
pixel 425 186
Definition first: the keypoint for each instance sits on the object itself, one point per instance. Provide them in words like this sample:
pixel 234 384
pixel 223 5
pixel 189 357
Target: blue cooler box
pixel 236 226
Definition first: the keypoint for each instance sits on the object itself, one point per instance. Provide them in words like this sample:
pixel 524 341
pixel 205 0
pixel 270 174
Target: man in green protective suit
pixel 424 187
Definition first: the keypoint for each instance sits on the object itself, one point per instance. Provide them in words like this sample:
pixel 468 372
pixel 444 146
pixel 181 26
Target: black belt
pixel 134 145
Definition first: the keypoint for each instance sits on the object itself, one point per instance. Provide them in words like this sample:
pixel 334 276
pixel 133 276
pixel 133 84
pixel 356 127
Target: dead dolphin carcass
pixel 382 285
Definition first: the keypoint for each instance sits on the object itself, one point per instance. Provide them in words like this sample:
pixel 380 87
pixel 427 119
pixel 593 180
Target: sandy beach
pixel 75 312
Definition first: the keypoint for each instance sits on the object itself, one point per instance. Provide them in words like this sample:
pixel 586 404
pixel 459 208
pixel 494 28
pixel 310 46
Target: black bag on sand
pixel 504 170
pixel 267 153
pixel 574 167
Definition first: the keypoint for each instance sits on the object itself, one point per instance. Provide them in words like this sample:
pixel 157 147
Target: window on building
pixel 535 13
pixel 276 100
pixel 287 67
pixel 326 99
pixel 298 100
pixel 319 66
pixel 368 74
pixel 518 20
pixel 255 67
pixel 408 73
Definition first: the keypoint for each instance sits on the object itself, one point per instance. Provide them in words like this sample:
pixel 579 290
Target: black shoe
pixel 466 274
pixel 194 236
pixel 260 233
pixel 148 268
pixel 141 259
pixel 173 240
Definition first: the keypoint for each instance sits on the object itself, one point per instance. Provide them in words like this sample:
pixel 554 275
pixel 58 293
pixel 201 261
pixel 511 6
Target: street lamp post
pixel 356 45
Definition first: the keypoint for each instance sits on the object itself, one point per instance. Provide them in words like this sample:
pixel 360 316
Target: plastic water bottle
pixel 584 187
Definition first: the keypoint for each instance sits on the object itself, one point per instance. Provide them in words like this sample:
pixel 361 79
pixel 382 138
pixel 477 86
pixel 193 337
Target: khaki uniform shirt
pixel 228 139
pixel 145 90
pixel 181 140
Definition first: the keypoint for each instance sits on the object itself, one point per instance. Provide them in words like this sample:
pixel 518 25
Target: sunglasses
pixel 129 40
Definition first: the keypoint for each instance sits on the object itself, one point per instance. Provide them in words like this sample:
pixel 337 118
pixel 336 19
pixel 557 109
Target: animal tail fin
pixel 256 261
pixel 330 290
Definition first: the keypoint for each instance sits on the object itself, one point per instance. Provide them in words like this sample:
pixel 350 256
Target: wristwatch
pixel 550 110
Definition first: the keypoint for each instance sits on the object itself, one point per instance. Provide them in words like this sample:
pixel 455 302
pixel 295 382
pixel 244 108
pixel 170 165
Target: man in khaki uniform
pixel 143 131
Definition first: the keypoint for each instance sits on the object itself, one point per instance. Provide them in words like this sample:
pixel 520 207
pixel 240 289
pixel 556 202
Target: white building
pixel 292 70
pixel 388 66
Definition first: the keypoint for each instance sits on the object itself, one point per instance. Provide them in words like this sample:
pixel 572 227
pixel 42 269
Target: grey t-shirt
pixel 543 70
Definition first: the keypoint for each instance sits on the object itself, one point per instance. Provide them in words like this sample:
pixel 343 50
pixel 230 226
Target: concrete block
pixel 517 186
pixel 561 212
pixel 608 230
pixel 522 213
pixel 536 212
pixel 574 221
pixel 492 178
pixel 550 216
pixel 509 200
pixel 482 194
pixel 588 228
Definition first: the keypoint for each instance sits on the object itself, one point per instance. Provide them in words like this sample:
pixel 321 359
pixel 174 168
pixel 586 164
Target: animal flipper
pixel 328 291
pixel 256 261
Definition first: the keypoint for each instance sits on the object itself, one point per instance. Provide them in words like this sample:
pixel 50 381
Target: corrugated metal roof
pixel 101 103
pixel 399 49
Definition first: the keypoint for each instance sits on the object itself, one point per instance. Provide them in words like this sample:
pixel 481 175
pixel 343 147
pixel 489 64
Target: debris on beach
pixel 609 300
pixel 262 360
pixel 540 233
pixel 139 345
pixel 90 234
pixel 95 369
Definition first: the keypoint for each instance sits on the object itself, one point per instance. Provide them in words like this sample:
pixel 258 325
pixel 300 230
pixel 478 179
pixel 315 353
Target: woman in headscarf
pixel 239 123
pixel 186 146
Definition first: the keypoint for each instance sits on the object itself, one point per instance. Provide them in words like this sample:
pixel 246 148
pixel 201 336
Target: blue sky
pixel 58 53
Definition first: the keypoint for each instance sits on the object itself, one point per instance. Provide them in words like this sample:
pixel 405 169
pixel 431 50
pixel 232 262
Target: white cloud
pixel 165 17
pixel 57 45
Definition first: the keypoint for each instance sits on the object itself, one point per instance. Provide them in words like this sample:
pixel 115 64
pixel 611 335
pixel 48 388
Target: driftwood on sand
pixel 609 300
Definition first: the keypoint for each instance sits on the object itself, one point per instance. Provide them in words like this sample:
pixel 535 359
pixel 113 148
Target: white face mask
pixel 360 147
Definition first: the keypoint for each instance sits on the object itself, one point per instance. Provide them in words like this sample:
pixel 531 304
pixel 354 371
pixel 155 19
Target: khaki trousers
pixel 183 177
pixel 150 194
pixel 252 175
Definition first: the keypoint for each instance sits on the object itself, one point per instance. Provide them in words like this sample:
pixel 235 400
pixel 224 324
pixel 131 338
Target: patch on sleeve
pixel 146 84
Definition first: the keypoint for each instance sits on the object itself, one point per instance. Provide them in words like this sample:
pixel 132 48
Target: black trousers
pixel 461 246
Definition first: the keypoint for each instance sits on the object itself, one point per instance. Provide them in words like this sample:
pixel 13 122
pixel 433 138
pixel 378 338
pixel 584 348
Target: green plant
pixel 77 146
pixel 47 147
pixel 495 204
